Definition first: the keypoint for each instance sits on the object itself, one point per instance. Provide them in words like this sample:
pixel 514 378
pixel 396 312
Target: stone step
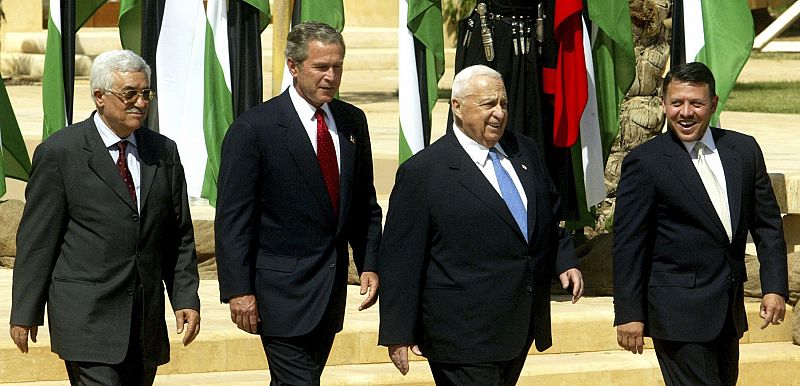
pixel 760 363
pixel 220 347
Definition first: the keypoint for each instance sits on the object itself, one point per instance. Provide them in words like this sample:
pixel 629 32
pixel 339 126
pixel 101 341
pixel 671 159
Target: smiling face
pixel 689 108
pixel 317 78
pixel 121 117
pixel 482 114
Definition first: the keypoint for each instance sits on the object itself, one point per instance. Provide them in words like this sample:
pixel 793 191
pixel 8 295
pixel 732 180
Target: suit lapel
pixel 732 165
pixel 347 151
pixel 680 163
pixel 475 182
pixel 302 152
pixel 148 164
pixel 101 163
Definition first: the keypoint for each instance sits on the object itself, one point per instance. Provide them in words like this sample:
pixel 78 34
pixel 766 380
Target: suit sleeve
pixel 766 228
pixel 633 233
pixel 39 236
pixel 235 222
pixel 402 260
pixel 183 281
pixel 365 235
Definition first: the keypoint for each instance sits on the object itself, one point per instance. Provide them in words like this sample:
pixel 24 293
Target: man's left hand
pixel 574 278
pixel 773 308
pixel 191 318
pixel 369 287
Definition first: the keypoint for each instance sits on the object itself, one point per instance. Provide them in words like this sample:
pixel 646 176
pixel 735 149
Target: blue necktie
pixel 510 193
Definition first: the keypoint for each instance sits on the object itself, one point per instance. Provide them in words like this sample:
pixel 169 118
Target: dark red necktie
pixel 326 155
pixel 124 172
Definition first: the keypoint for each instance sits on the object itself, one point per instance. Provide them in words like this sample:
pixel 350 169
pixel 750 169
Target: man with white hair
pixel 106 228
pixel 471 246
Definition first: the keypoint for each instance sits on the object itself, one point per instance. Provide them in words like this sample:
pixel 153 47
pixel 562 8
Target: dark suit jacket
pixel 276 233
pixel 81 242
pixel 457 276
pixel 674 267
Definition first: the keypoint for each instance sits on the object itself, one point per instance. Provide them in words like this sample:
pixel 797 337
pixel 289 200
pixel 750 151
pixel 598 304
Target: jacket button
pixel 332 266
pixel 135 217
pixel 130 291
pixel 529 289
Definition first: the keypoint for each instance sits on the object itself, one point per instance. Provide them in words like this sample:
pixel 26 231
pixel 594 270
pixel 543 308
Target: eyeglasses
pixel 131 96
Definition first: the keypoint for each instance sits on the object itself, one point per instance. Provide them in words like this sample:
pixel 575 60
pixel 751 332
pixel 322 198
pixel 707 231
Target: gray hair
pixel 310 31
pixel 110 62
pixel 462 83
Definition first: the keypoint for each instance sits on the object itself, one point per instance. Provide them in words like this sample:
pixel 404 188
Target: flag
pixel 610 70
pixel 14 162
pixel 66 17
pixel 181 65
pixel 718 33
pixel 420 67
pixel 246 20
pixel 567 82
pixel 330 12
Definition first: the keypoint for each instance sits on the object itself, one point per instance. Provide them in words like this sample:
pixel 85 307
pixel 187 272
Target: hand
pixel 630 336
pixel 399 355
pixel 244 312
pixel 572 277
pixel 773 308
pixel 19 334
pixel 190 317
pixel 369 287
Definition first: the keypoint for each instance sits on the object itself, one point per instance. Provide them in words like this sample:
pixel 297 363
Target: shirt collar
pixel 477 152
pixel 304 109
pixel 107 135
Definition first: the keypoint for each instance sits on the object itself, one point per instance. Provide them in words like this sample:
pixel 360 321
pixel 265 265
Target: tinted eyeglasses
pixel 131 96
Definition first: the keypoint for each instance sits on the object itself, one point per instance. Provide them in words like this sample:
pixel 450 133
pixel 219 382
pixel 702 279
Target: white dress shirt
pixel 131 152
pixel 480 155
pixel 306 113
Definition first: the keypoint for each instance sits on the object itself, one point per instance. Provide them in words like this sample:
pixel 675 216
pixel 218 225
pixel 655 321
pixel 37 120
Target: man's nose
pixel 686 110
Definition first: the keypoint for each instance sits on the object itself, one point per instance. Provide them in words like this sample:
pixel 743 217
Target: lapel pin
pixel 524 167
pixel 352 139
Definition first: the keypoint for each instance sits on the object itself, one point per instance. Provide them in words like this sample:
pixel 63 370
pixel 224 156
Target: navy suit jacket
pixel 457 276
pixel 276 234
pixel 674 267
pixel 81 244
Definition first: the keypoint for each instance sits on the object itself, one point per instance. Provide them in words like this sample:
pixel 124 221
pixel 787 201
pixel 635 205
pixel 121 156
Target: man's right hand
pixel 19 334
pixel 630 336
pixel 399 356
pixel 244 312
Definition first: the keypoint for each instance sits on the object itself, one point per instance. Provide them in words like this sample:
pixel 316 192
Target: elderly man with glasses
pixel 106 228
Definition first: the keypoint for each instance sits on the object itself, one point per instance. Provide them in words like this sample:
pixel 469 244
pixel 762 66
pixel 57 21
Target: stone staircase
pixel 584 352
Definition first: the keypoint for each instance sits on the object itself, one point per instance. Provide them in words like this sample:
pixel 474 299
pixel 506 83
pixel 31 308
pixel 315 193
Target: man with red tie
pixel 295 188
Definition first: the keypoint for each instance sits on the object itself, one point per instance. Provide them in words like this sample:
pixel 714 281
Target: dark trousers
pixel 691 363
pixel 298 360
pixel 131 372
pixel 504 373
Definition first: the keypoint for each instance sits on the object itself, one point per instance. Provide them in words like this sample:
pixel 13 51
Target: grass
pixel 765 97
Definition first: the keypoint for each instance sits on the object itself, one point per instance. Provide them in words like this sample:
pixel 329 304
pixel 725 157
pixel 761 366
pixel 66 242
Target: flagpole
pixel 281 17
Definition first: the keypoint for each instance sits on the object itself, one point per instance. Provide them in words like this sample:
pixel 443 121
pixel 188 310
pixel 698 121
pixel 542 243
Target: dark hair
pixel 310 31
pixel 694 72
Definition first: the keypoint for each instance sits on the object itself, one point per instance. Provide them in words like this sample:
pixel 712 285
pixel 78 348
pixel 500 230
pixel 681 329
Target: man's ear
pixel 292 66
pixel 455 105
pixel 98 97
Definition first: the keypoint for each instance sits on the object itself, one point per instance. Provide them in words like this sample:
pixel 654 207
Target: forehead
pixel 318 50
pixel 130 80
pixel 485 87
pixel 677 88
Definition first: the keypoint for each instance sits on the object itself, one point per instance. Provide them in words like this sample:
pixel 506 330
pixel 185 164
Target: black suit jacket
pixel 674 267
pixel 457 276
pixel 276 235
pixel 81 243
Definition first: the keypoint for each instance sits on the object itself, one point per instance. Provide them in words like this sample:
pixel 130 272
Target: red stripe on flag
pixel 567 83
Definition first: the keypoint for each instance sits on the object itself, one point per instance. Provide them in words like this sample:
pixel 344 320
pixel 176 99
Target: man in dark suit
pixel 98 242
pixel 471 246
pixel 295 187
pixel 685 203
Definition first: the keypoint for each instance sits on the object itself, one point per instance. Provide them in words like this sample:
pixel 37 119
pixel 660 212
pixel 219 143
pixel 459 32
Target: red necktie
pixel 326 155
pixel 124 172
